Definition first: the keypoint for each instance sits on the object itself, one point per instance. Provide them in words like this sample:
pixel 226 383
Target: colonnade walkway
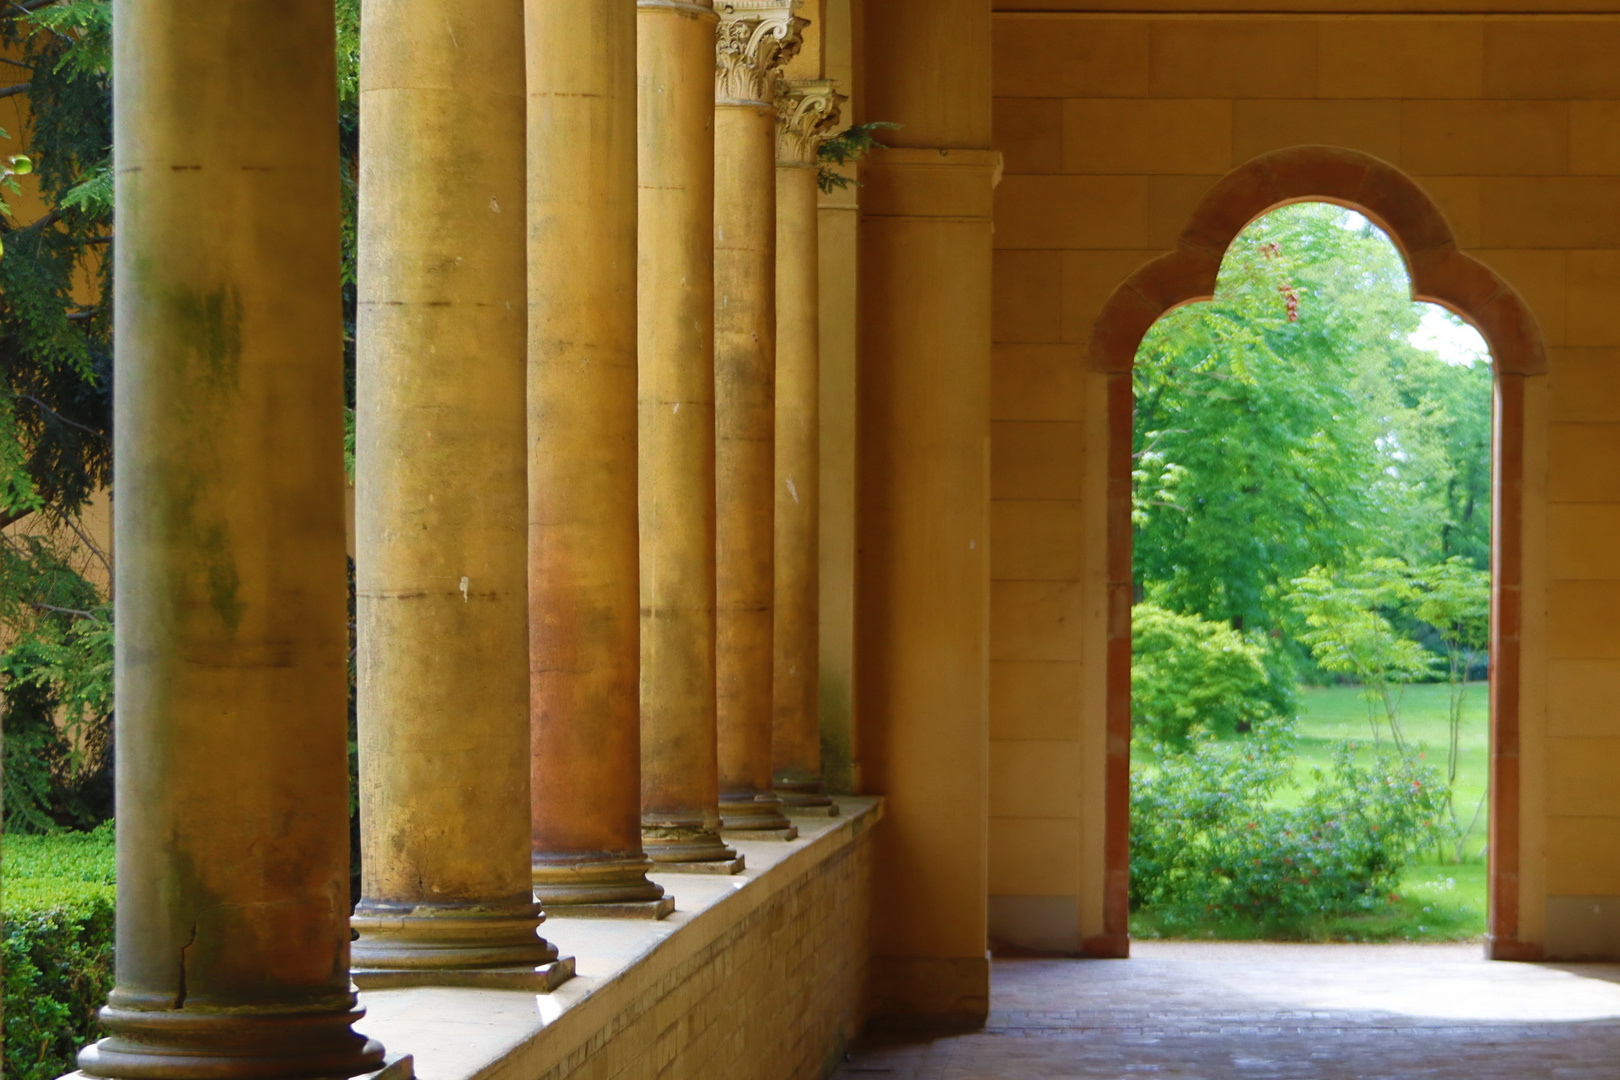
pixel 1220 1011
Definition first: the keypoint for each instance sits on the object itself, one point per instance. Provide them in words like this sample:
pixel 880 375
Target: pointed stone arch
pixel 1440 274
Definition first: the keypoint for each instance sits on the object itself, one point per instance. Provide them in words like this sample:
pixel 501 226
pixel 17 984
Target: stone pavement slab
pixel 1221 1011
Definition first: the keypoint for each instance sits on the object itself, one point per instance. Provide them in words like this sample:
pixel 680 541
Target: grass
pixel 1332 715
pixel 1436 901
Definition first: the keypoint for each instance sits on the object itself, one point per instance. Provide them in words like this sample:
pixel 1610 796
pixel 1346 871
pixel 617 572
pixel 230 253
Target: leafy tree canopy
pixel 1291 423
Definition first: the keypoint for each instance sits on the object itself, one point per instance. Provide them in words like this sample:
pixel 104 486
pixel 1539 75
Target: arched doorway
pixel 1440 274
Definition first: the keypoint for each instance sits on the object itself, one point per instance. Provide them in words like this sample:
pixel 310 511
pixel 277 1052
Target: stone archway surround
pixel 1441 274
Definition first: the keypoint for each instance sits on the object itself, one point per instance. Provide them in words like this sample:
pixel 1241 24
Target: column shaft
pixel 923 573
pixel 808 110
pixel 585 607
pixel 751 44
pixel 441 496
pixel 233 928
pixel 675 295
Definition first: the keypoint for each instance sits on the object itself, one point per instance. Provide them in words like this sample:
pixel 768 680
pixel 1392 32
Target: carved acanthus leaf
pixel 754 39
pixel 807 111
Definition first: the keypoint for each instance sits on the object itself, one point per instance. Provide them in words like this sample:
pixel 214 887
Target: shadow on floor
pixel 1312 1012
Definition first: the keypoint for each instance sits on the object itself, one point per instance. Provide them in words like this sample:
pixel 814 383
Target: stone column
pixel 680 787
pixel 233 846
pixel 923 575
pixel 808 110
pixel 753 39
pixel 584 602
pixel 441 503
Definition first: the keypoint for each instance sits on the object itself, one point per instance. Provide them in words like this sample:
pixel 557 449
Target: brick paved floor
pixel 1279 1012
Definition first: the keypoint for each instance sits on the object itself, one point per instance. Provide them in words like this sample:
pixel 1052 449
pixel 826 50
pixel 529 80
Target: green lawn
pixel 1329 716
pixel 1437 901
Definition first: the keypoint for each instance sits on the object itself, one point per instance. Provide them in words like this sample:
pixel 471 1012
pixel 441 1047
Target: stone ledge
pixel 468 1034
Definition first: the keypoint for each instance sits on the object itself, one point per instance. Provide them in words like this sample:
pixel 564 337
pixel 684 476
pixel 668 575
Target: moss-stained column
pixel 754 38
pixel 233 847
pixel 584 602
pixel 680 787
pixel 441 502
pixel 807 112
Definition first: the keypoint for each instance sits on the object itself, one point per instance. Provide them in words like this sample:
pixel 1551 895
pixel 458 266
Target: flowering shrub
pixel 1208 841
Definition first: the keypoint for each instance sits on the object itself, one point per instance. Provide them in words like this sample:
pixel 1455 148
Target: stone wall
pixel 758 976
pixel 777 996
pixel 1114 127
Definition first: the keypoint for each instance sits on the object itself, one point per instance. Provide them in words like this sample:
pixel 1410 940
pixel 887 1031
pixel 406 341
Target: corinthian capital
pixel 807 110
pixel 754 39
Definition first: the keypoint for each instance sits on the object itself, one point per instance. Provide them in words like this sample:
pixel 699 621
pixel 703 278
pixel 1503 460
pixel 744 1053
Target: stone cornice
pixel 754 39
pixel 807 111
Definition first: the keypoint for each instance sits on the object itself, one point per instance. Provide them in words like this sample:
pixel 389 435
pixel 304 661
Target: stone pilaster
pixel 233 841
pixel 584 602
pixel 807 112
pixel 680 814
pixel 753 39
pixel 441 503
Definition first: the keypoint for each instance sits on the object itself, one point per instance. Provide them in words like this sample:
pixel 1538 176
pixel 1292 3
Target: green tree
pixel 1455 599
pixel 1348 630
pixel 1191 676
pixel 56 422
pixel 1290 423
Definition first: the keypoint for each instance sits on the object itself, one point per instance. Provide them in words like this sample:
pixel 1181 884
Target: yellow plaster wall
pixel 1113 127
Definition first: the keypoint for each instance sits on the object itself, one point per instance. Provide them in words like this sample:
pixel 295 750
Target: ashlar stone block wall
pixel 1113 127
pixel 776 995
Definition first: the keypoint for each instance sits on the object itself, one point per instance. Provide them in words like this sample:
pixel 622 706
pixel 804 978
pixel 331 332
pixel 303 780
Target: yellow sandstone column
pixel 754 38
pixel 680 787
pixel 923 576
pixel 441 503
pixel 584 602
pixel 807 110
pixel 233 846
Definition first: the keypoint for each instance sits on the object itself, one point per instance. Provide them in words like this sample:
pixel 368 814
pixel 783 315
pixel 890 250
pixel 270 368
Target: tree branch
pixel 18 88
pixel 91 544
pixel 65 611
pixel 59 416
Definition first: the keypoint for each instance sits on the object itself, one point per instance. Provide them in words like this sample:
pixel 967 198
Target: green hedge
pixel 57 895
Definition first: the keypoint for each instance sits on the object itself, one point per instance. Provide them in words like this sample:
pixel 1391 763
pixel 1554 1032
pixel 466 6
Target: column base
pixel 191 1044
pixel 728 866
pixel 804 794
pixel 399 1067
pixel 447 941
pixel 754 814
pixel 789 833
pixel 669 843
pixel 563 882
pixel 542 978
pixel 829 810
pixel 644 909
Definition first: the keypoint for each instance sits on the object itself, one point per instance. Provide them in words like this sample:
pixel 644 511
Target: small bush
pixel 1191 675
pixel 1209 843
pixel 58 947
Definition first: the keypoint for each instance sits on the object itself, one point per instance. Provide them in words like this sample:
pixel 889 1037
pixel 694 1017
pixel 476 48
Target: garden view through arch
pixel 1439 273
